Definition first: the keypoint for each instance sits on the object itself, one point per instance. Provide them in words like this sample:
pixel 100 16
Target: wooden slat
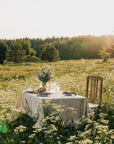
pixel 94 88
pixel 91 88
pixel 95 78
pixel 93 92
pixel 87 86
pixel 101 84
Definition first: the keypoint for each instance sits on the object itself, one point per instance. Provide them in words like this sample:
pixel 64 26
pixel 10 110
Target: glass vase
pixel 44 84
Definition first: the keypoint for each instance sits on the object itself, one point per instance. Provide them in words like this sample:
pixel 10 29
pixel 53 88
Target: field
pixel 69 76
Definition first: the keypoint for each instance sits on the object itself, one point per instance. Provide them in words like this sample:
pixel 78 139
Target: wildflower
pixel 70 108
pixel 112 137
pixel 38 129
pixel 16 131
pixel 57 118
pixel 31 136
pixel 44 120
pixel 51 118
pixel 82 134
pixel 72 138
pixel 69 143
pixel 101 127
pixel 87 132
pixel 87 141
pixel 111 131
pixel 59 142
pixel 96 142
pixel 48 132
pixel 23 142
pixel 62 123
pixel 87 126
pixel 2 118
pixel 102 115
pixel 44 76
pixel 60 110
pixel 12 140
pixel 20 110
pixel 20 128
pixel 104 121
pixel 53 127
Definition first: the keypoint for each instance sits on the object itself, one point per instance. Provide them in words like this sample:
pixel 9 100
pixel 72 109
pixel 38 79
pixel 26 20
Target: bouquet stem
pixel 44 84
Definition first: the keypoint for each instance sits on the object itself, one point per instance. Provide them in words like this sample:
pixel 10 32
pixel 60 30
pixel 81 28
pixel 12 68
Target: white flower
pixel 69 143
pixel 23 142
pixel 87 132
pixel 38 129
pixel 57 118
pixel 53 127
pixel 111 131
pixel 20 110
pixel 58 108
pixel 44 120
pixel 72 138
pixel 70 108
pixel 101 127
pixel 104 121
pixel 15 130
pixel 31 136
pixel 20 128
pixel 112 137
pixel 102 115
pixel 87 141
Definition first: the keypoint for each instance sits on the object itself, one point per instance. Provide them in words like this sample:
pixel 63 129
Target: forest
pixel 86 47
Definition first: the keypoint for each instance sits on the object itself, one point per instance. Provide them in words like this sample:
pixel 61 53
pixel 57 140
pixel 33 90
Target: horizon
pixel 59 18
pixel 50 37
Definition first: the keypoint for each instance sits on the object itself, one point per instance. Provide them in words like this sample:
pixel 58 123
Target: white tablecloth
pixel 33 105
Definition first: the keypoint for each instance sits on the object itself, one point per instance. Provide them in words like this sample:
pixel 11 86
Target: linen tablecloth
pixel 74 106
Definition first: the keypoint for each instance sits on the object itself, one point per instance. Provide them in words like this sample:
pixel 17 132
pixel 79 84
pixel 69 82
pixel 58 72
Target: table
pixel 74 106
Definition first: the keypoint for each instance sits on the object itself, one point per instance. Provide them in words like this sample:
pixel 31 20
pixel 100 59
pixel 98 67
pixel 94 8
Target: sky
pixel 48 18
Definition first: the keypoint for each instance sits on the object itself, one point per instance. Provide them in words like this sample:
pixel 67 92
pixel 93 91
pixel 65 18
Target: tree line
pixel 76 47
pixel 63 48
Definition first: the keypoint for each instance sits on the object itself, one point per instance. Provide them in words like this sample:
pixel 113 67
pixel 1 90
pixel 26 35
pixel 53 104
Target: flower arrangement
pixel 44 76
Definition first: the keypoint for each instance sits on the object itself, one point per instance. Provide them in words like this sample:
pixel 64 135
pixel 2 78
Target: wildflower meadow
pixel 71 75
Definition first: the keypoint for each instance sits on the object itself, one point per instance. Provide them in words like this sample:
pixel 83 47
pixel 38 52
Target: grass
pixel 70 76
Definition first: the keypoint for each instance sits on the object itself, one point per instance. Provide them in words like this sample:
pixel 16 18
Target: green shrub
pixel 32 52
pixel 49 53
pixel 90 130
pixel 104 54
pixel 32 59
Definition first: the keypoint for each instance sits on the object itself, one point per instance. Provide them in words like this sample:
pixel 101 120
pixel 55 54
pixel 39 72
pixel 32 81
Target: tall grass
pixel 70 76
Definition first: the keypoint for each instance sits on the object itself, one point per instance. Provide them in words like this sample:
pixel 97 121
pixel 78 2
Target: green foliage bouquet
pixel 44 76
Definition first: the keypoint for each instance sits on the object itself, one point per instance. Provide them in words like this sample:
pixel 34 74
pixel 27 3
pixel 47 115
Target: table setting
pixel 72 107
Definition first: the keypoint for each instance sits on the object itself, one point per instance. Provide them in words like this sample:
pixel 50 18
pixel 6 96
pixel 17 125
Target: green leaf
pixel 3 127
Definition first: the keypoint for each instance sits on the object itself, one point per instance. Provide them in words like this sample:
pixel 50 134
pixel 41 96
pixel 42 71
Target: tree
pixel 16 53
pixel 32 52
pixel 26 45
pixel 112 50
pixel 3 51
pixel 49 52
pixel 104 54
